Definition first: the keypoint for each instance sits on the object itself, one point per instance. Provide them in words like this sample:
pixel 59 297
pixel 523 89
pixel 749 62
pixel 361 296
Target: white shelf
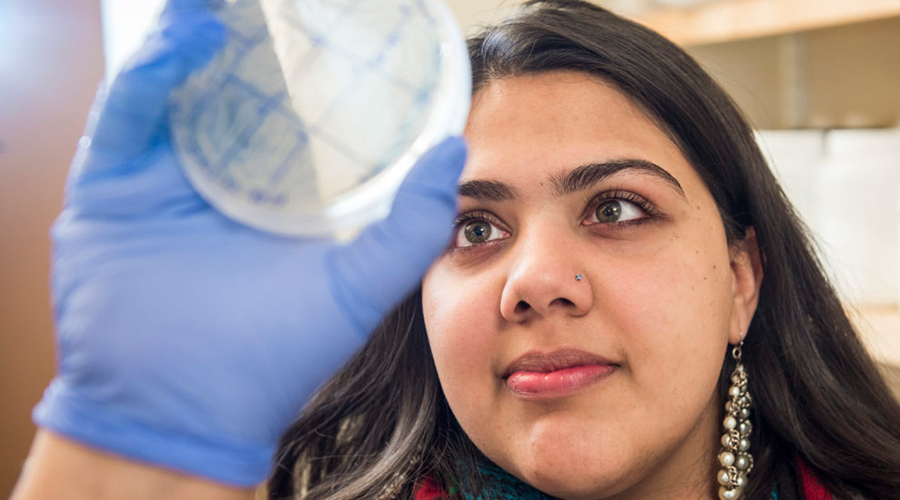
pixel 728 20
pixel 879 327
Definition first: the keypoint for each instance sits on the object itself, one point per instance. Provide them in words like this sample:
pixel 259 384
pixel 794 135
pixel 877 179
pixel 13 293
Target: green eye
pixel 609 211
pixel 477 232
pixel 477 228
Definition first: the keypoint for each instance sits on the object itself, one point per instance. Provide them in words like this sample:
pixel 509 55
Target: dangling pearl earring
pixel 734 456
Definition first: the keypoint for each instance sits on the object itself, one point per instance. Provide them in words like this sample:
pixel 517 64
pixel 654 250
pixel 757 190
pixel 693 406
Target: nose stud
pixel 578 277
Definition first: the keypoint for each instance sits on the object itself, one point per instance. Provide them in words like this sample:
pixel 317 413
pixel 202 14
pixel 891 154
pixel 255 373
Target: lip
pixel 558 374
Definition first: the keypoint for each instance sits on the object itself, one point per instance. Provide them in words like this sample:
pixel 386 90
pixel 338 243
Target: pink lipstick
pixel 558 374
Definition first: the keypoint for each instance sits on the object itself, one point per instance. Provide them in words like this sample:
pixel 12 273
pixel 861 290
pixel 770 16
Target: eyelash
pixel 620 195
pixel 474 215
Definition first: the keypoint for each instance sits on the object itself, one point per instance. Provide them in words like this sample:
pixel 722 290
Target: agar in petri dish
pixel 307 120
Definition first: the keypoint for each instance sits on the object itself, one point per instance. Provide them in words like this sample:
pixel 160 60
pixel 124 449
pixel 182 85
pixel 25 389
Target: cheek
pixel 682 284
pixel 460 318
pixel 674 309
pixel 680 275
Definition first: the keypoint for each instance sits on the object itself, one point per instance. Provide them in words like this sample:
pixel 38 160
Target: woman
pixel 623 274
pixel 619 227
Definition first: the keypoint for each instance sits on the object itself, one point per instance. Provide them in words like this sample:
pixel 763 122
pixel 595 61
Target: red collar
pixel 429 489
pixel 812 488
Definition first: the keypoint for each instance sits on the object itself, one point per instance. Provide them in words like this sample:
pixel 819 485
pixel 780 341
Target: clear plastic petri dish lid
pixel 308 119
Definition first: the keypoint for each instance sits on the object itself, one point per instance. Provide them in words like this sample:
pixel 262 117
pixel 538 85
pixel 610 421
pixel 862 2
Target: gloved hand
pixel 186 339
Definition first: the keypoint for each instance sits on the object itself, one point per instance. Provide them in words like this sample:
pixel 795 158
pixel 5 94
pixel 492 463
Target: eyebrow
pixel 585 176
pixel 487 190
pixel 579 179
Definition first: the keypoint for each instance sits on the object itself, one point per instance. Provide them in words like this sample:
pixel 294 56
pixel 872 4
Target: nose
pixel 545 278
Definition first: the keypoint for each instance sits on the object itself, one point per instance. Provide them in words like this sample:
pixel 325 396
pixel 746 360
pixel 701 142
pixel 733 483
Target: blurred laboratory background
pixel 818 79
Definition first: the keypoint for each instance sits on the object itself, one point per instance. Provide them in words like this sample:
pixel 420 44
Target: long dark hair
pixel 382 423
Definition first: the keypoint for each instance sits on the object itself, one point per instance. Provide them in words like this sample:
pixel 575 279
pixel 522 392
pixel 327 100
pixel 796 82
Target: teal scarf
pixel 501 485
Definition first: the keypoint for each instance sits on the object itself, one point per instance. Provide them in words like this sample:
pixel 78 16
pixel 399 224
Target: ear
pixel 747 275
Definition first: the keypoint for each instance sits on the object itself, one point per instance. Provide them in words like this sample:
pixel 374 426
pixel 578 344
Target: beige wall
pixel 50 63
pixel 473 13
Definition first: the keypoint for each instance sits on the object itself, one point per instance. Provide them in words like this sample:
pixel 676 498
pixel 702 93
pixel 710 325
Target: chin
pixel 566 483
pixel 570 461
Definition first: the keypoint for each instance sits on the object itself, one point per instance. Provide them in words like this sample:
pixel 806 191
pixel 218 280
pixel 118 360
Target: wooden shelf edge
pixel 730 20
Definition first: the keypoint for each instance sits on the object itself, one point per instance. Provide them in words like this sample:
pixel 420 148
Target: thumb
pixel 384 263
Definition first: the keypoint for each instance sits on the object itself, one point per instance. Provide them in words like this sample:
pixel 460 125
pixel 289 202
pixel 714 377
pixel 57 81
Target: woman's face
pixel 580 321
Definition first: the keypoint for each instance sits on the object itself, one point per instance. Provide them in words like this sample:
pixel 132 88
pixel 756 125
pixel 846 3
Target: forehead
pixel 543 125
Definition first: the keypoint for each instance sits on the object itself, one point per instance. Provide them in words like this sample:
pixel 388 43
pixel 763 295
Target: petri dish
pixel 307 120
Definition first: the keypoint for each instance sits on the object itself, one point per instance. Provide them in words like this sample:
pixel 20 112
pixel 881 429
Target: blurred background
pixel 819 80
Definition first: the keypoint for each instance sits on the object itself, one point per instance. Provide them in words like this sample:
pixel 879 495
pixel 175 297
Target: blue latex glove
pixel 188 340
